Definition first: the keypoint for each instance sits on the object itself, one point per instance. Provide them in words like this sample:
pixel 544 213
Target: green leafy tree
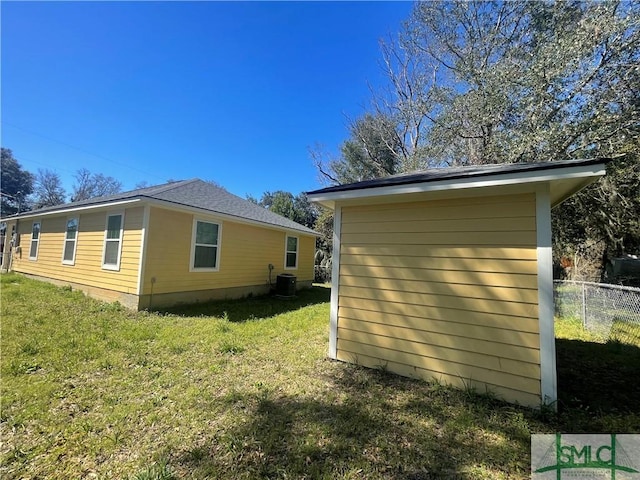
pixel 518 81
pixel 324 244
pixel 306 212
pixel 282 203
pixel 373 150
pixel 603 221
pixel 16 184
pixel 492 82
pixel 296 208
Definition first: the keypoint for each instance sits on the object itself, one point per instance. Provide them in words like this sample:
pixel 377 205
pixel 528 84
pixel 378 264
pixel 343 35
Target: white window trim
pixel 192 256
pixel 75 241
pixel 108 266
pixel 35 257
pixel 286 251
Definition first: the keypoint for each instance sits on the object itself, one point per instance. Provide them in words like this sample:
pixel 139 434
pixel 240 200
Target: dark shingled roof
pixel 452 173
pixel 189 193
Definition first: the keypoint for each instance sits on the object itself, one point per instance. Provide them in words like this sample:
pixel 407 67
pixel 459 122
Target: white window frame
pixel 287 251
pixel 192 257
pixel 116 266
pixel 74 240
pixel 37 240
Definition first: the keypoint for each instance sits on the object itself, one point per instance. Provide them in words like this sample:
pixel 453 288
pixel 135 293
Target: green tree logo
pixel 586 456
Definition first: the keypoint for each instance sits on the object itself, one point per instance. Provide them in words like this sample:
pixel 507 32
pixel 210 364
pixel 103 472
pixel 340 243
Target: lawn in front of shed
pixel 243 390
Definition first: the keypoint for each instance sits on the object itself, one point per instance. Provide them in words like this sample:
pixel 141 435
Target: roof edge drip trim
pixel 448 175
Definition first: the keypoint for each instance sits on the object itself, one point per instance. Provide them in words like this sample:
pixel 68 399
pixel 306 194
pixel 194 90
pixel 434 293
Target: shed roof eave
pixel 564 181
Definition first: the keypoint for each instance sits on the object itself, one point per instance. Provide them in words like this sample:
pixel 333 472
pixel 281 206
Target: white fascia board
pixel 79 209
pixel 165 204
pixel 513 178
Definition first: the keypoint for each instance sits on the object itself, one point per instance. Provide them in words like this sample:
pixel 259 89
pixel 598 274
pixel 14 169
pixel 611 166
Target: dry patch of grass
pixel 236 390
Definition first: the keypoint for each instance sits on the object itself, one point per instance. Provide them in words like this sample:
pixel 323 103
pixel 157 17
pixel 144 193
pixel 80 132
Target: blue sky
pixel 234 92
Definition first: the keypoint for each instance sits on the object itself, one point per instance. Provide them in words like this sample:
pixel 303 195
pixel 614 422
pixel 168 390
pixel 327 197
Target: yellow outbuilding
pixel 181 242
pixel 447 274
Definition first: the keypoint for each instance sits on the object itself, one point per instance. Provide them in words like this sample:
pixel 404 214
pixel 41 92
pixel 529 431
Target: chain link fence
pixel 608 311
pixel 605 310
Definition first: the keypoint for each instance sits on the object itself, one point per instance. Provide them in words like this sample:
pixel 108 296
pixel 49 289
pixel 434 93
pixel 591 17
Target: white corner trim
pixel 548 375
pixel 143 247
pixel 335 284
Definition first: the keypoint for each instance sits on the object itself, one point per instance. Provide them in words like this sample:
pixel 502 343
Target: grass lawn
pixel 240 390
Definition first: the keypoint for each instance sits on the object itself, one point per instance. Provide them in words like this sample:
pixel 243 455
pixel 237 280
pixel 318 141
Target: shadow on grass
pixel 249 308
pixel 371 424
pixel 601 377
pixel 363 428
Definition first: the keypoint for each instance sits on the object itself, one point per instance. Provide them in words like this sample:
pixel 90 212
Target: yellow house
pixel 180 242
pixel 447 274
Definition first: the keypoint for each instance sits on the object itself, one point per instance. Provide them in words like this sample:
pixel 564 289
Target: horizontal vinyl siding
pixel 87 269
pixel 438 238
pixel 408 365
pixel 245 254
pixel 444 289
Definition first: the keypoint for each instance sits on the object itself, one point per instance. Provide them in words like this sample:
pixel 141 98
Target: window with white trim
pixel 205 248
pixel 113 241
pixel 70 241
pixel 35 240
pixel 291 254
